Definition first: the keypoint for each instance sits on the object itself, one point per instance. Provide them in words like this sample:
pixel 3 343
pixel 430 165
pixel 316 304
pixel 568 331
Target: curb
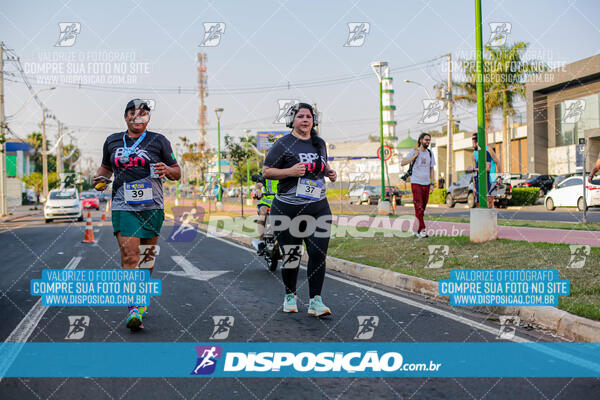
pixel 570 326
pixel 12 218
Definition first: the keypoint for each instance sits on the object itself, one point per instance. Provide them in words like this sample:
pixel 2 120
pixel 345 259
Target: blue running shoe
pixel 317 308
pixel 289 304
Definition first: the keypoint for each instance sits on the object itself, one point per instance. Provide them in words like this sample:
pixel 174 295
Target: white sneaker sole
pixel 289 310
pixel 314 313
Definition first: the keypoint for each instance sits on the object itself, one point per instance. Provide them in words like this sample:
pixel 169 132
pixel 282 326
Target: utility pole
pixel 202 93
pixel 3 202
pixel 59 150
pixel 450 155
pixel 44 155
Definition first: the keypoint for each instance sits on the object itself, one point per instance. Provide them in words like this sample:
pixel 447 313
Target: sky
pixel 269 51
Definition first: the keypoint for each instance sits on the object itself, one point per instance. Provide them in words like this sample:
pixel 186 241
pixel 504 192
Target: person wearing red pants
pixel 421 162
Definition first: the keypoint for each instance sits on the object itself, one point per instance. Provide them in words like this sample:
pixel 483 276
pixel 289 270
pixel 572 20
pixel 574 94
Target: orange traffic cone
pixel 103 218
pixel 89 230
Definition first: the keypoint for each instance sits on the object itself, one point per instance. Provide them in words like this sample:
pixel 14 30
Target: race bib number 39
pixel 309 189
pixel 137 193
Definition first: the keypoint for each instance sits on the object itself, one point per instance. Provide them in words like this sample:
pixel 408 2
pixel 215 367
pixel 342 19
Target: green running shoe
pixel 317 308
pixel 134 319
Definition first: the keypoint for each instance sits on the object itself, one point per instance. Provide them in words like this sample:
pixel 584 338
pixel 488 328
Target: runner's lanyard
pixel 128 150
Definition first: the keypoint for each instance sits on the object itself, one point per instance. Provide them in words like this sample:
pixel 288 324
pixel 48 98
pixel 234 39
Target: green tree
pixel 35 181
pixel 71 154
pixel 238 153
pixel 35 140
pixel 197 155
pixel 505 75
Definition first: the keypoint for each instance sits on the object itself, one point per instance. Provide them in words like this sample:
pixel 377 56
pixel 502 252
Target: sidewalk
pixel 22 211
pixel 441 228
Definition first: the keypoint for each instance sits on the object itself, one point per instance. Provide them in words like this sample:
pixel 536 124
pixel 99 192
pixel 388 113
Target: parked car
pixel 390 192
pixel 369 194
pixel 569 193
pixel 463 191
pixel 63 204
pixel 561 178
pixel 544 182
pixel 90 200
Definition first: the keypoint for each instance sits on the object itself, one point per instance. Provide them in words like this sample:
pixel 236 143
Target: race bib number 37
pixel 137 193
pixel 309 189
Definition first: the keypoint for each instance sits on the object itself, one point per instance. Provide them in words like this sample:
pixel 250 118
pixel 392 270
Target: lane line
pixel 25 328
pixel 539 346
pixel 443 313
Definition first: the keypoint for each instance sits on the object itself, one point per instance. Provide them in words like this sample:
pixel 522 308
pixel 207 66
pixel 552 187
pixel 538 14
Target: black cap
pixel 137 103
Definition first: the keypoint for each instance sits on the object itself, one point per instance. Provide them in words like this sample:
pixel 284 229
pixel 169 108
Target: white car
pixel 569 193
pixel 63 204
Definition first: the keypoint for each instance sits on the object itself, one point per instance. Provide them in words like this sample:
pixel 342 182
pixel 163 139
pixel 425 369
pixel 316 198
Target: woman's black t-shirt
pixel 289 151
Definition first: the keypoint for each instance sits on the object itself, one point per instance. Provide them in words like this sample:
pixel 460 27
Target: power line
pixel 241 90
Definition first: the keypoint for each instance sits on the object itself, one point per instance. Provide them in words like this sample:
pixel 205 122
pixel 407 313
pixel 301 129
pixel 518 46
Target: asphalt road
pixel 252 296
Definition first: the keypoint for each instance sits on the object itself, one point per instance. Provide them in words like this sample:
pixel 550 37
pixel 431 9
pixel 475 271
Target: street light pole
pixel 3 177
pixel 219 112
pixel 247 131
pixel 481 139
pixel 378 67
pixel 44 156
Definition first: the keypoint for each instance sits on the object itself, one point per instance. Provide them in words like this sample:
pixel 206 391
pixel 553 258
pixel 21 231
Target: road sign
pixel 265 139
pixel 387 152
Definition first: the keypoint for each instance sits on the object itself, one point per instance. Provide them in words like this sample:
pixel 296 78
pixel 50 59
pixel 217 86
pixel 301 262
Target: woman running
pixel 299 162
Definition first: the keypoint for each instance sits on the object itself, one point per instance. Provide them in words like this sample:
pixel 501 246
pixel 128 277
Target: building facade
pixel 563 106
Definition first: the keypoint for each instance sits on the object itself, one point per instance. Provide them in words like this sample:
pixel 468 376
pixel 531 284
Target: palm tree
pixel 505 74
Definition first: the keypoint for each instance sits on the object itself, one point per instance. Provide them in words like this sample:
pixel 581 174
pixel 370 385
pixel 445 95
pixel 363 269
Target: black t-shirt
pixel 289 151
pixel 154 148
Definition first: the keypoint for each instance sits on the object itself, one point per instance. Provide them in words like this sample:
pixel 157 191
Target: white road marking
pixel 539 346
pixel 25 328
pixel 192 272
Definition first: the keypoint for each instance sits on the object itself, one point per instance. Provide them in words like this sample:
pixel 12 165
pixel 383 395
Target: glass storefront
pixel 575 116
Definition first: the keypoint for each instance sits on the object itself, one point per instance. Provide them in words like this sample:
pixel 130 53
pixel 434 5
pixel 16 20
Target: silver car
pixel 360 194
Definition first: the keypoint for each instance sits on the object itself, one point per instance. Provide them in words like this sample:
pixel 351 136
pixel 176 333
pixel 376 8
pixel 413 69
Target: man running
pixel 139 159
pixel 269 191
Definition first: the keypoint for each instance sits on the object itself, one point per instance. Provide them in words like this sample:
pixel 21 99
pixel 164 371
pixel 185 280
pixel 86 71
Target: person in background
pixel 421 162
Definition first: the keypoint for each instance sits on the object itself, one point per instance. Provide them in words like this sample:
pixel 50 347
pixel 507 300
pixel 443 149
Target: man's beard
pixel 425 145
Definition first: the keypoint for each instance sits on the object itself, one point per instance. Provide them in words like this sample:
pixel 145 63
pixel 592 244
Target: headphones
pixel 293 110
